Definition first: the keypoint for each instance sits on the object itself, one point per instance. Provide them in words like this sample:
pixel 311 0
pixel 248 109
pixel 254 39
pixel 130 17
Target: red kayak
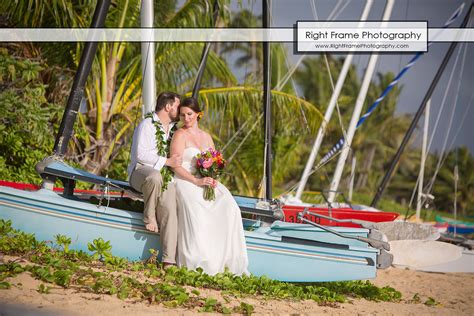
pixel 291 215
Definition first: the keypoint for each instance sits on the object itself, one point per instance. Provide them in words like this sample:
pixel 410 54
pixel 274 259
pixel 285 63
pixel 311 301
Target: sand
pixel 454 292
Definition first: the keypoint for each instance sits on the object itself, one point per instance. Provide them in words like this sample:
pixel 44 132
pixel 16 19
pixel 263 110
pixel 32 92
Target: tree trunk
pixel 368 161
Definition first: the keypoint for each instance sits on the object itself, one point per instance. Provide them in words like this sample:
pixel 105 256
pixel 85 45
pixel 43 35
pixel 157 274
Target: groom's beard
pixel 174 118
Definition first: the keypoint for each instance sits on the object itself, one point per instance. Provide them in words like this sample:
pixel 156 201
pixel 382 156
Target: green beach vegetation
pixel 98 271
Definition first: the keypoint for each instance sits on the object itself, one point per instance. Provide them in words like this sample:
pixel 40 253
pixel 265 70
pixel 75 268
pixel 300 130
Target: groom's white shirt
pixel 144 149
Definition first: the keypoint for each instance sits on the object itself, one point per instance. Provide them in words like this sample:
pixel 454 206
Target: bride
pixel 210 233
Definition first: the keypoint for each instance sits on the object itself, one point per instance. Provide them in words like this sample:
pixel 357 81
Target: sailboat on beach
pixel 297 252
pixel 343 145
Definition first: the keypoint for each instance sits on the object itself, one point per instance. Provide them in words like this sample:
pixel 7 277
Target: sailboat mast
pixel 148 60
pixel 456 179
pixel 77 91
pixel 423 159
pixel 418 114
pixel 357 111
pixel 205 53
pixel 329 110
pixel 266 6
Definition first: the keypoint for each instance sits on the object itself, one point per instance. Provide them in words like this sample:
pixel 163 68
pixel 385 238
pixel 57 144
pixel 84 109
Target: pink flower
pixel 207 163
pixel 199 162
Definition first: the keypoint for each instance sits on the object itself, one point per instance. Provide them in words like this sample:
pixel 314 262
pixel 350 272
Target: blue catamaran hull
pixel 283 251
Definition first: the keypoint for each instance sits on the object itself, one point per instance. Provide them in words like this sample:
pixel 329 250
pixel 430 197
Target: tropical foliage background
pixel 35 80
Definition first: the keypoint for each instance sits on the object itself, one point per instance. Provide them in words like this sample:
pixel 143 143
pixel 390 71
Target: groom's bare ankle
pixel 167 265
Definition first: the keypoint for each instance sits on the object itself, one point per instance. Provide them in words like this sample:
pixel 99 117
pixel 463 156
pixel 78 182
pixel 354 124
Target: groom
pixel 149 172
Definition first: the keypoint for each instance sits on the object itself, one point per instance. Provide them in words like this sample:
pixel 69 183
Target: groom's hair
pixel 165 98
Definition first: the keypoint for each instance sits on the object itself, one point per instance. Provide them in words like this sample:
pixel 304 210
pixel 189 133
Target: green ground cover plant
pixel 98 271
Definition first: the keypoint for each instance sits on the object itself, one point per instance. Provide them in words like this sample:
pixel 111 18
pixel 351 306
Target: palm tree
pixel 113 91
pixel 251 53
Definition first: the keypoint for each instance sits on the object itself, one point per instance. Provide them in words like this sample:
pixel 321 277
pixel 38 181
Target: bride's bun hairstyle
pixel 193 104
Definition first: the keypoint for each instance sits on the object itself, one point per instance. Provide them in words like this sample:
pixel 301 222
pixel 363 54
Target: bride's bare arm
pixel 211 142
pixel 177 147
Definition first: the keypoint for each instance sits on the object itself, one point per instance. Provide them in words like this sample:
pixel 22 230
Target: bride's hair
pixel 191 103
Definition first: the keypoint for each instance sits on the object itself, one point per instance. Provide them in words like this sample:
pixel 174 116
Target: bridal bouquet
pixel 210 163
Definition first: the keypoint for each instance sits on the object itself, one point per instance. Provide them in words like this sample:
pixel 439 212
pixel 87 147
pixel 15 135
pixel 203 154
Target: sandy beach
pixel 453 294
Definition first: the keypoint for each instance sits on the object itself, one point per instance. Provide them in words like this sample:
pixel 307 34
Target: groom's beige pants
pixel 160 207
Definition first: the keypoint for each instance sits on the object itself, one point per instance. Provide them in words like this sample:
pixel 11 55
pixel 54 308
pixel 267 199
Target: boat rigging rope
pixel 464 115
pixel 315 169
pixel 332 16
pixel 282 84
pixel 339 115
pixel 291 69
pixel 331 80
pixel 278 88
pixel 443 152
pixel 341 142
pixel 245 137
pixel 241 128
pixel 443 103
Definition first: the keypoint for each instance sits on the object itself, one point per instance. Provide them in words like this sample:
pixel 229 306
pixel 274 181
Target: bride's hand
pixel 205 181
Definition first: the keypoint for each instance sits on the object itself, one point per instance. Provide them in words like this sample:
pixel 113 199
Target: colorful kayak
pixel 450 221
pixel 459 227
pixel 291 215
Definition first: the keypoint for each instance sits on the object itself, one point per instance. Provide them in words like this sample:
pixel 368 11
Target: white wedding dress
pixel 210 233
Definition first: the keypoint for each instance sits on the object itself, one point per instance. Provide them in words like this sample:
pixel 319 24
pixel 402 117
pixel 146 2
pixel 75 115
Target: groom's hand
pixel 174 161
pixel 152 227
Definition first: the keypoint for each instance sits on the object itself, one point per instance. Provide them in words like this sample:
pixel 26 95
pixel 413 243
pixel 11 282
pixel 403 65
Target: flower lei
pixel 162 147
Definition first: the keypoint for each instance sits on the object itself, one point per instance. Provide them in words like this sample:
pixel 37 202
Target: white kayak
pixel 417 254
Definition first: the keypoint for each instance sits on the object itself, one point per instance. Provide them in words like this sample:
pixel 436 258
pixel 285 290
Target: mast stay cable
pixel 443 103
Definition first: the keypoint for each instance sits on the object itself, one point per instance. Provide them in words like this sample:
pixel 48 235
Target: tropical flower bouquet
pixel 210 163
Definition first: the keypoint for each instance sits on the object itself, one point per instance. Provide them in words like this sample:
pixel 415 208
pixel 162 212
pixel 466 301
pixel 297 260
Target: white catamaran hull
pixel 284 251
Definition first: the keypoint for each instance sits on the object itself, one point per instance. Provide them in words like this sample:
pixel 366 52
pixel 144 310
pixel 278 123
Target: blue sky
pixel 416 82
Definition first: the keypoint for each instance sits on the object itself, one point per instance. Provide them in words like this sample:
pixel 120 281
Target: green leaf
pixel 226 310
pixel 43 289
pixel 247 309
pixel 171 304
pixel 123 292
pixel 431 302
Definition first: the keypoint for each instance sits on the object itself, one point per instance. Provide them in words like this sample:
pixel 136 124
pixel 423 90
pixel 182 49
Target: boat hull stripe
pixel 117 224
